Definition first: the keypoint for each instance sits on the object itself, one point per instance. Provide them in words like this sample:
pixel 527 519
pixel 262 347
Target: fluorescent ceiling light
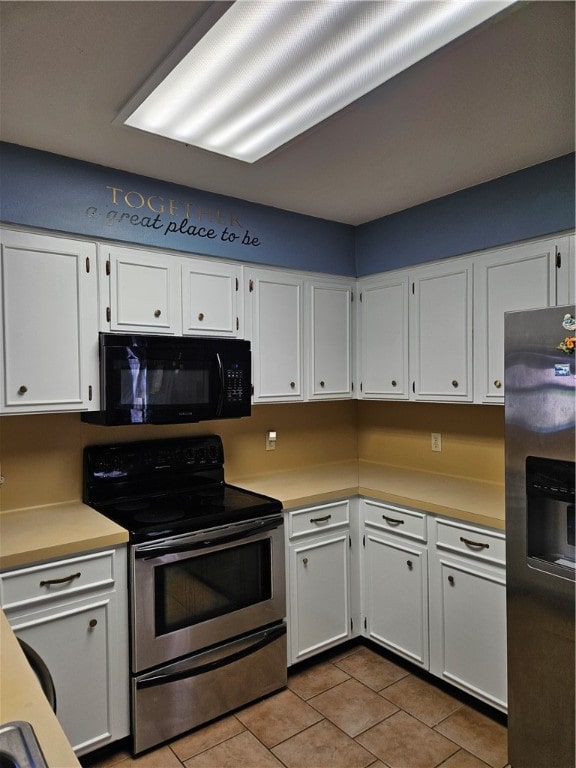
pixel 265 72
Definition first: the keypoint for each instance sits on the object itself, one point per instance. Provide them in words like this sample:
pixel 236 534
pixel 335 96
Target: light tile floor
pixel 351 709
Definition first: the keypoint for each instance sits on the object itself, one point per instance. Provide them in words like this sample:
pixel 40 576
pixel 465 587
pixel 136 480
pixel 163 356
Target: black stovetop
pixel 161 488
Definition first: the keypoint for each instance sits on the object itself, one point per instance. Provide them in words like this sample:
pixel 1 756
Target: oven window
pixel 206 586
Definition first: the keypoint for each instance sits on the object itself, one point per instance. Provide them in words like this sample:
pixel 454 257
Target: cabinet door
pixel 441 335
pixel 210 298
pixel 319 596
pixel 144 291
pixel 506 280
pixel 50 326
pixel 396 596
pixel 566 270
pixel 330 340
pixel 384 338
pixel 73 644
pixel 470 644
pixel 276 311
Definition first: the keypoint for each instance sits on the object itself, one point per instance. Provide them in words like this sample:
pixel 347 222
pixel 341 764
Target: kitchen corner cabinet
pixel 319 578
pixel 395 579
pixel 441 332
pixel 329 339
pixel 383 337
pixel 73 614
pixel 522 277
pixel 468 609
pixel 49 343
pixel 274 325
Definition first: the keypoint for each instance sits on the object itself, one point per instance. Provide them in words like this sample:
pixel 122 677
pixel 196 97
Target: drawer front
pixel 324 517
pixel 396 520
pixel 488 546
pixel 50 581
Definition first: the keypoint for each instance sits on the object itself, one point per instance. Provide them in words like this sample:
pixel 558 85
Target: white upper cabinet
pixel 566 270
pixel 383 337
pixel 441 332
pixel 329 339
pixel 518 278
pixel 211 298
pixel 274 322
pixel 144 291
pixel 48 288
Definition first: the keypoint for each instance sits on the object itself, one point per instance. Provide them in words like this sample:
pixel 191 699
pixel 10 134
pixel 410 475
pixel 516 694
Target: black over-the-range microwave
pixel 147 379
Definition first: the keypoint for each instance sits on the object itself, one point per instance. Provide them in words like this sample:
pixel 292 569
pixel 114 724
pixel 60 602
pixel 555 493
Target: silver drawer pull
pixel 63 580
pixel 320 519
pixel 393 520
pixel 474 544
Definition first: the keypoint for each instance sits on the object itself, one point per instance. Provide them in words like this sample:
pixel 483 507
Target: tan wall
pixel 41 456
pixel 399 434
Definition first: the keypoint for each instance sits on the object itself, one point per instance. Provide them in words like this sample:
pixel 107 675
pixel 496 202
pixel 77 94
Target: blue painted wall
pixel 39 189
pixel 530 203
pixel 48 191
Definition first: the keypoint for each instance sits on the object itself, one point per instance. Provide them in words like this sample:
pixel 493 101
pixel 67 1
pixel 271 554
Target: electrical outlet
pixel 271 440
pixel 436 441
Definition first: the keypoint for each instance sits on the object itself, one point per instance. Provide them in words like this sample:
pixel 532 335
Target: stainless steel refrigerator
pixel 540 526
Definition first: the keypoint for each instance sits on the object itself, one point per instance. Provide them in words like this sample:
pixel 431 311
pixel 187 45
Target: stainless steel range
pixel 207 581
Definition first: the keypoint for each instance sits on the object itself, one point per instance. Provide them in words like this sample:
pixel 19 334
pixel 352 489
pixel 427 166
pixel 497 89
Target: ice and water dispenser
pixel 550 516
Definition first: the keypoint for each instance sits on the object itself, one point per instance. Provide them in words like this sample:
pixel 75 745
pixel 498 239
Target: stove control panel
pixel 133 459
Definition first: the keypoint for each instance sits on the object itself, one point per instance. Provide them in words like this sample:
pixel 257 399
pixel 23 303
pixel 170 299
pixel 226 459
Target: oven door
pixel 192 591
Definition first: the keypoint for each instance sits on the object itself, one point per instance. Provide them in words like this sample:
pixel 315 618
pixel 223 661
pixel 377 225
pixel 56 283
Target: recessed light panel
pixel 267 71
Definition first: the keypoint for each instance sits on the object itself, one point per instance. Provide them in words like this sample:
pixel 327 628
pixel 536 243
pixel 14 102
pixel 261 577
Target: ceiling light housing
pixel 254 74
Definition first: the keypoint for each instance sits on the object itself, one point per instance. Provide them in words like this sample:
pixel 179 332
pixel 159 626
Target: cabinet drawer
pixel 396 520
pixel 49 581
pixel 489 546
pixel 318 519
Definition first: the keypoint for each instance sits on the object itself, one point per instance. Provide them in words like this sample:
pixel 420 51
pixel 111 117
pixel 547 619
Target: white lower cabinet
pixel 395 578
pixel 73 614
pixel 434 591
pixel 319 578
pixel 468 609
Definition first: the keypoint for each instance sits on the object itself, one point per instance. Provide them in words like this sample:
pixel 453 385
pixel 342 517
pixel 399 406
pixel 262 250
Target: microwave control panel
pixel 235 385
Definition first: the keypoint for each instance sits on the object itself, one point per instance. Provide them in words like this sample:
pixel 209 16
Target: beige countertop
pixel 21 698
pixel 42 533
pixel 474 501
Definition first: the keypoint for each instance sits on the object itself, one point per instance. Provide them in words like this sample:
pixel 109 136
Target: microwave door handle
pixel 221 393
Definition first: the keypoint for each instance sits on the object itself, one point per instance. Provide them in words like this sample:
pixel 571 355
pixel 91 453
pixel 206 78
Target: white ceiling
pixel 498 100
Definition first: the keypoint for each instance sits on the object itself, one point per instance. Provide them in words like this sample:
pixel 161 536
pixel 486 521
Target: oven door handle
pixel 208 538
pixel 219 657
